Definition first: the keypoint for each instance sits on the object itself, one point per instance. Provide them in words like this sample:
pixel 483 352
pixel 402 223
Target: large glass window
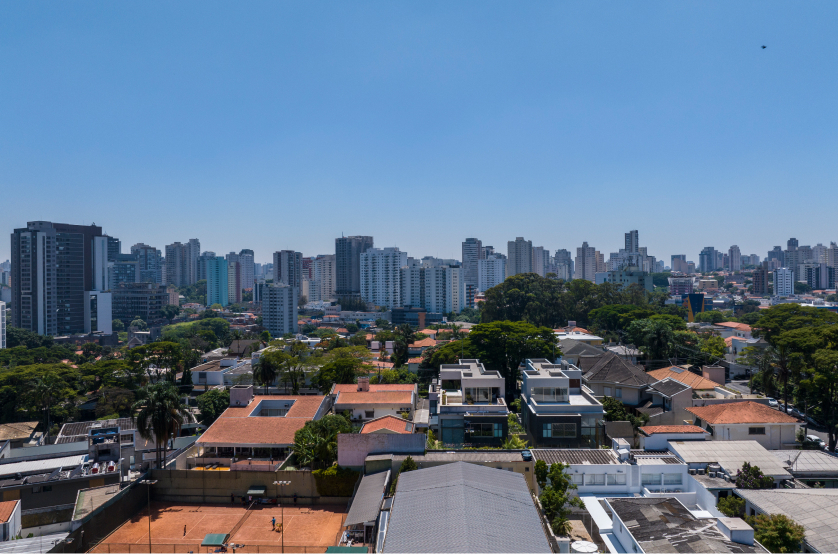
pixel 559 430
pixel 756 430
pixel 577 478
pixel 651 478
pixel 616 478
pixel 549 394
pixel 672 478
pixel 595 479
pixel 487 430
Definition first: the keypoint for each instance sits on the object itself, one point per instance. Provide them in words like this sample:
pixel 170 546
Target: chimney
pixel 241 395
pixel 363 384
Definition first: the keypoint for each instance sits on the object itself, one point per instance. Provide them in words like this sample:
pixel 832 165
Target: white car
pixel 816 439
pixel 773 403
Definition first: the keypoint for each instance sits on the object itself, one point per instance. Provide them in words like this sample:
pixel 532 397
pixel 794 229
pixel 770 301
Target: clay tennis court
pixel 307 528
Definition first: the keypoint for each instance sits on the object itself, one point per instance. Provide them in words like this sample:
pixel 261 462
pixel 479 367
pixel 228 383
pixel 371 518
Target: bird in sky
pixel 764 47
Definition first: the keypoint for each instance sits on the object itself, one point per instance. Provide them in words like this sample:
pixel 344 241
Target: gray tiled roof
pixel 462 507
pixel 460 456
pixel 596 456
pixel 366 504
pixel 814 509
pixel 808 462
pixel 668 387
pixel 572 347
pixel 614 369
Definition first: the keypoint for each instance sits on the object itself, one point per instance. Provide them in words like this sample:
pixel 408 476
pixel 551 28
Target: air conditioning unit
pixel 692 472
pixel 712 474
pixel 701 472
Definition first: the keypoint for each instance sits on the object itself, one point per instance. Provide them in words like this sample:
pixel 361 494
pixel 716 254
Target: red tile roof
pixel 652 429
pixel 390 423
pixel 734 325
pixel 236 427
pixel 416 360
pixel 6 509
pixel 696 382
pixel 424 343
pixel 740 412
pixel 389 397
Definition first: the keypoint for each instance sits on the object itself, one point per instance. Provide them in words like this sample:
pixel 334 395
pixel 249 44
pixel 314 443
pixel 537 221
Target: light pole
pixel 148 483
pixel 278 484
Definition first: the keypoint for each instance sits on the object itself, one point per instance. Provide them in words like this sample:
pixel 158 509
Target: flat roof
pixel 730 455
pixel 18 430
pixel 666 525
pixel 808 461
pixel 236 427
pixel 47 464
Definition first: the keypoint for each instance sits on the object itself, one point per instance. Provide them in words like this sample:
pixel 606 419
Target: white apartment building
pixel 588 263
pixel 540 260
pixel 783 282
pixel 2 325
pixel 439 289
pixel 490 272
pixel 381 276
pixel 279 308
pixel 473 252
pixel 519 254
pixel 247 269
pixel 323 271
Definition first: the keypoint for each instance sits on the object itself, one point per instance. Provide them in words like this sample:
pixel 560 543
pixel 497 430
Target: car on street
pixel 816 439
pixel 773 403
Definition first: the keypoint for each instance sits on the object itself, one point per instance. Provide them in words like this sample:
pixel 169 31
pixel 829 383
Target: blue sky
pixel 277 125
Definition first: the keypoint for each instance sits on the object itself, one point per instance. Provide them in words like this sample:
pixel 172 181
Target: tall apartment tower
pixel 348 252
pixel 182 263
pixel 679 263
pixel 783 282
pixel 632 242
pixel 473 252
pixel 248 269
pixel 218 285
pixel 323 270
pixel 564 264
pixel 380 276
pixel 734 257
pixel 540 260
pixel 288 268
pixel 234 281
pixel 707 260
pixel 52 276
pixel 760 279
pixel 2 325
pixel 279 308
pixel 588 262
pixel 792 244
pixel 490 272
pixel 519 256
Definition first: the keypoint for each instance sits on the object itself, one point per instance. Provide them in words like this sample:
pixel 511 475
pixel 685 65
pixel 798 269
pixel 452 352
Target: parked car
pixel 773 403
pixel 816 439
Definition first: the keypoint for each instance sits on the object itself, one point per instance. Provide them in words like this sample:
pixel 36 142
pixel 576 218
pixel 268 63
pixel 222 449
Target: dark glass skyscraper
pixel 348 252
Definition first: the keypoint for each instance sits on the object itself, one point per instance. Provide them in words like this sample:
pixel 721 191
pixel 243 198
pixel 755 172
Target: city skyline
pixel 494 125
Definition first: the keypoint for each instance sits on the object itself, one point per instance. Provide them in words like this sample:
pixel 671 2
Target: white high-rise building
pixel 519 256
pixel 437 288
pixel 247 269
pixel 279 308
pixel 323 268
pixel 819 253
pixel 540 260
pixel 783 282
pixel 588 263
pixel 490 272
pixel 381 276
pixel 2 325
pixel 734 257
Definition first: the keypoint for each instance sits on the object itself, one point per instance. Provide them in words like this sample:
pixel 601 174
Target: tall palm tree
pixel 160 413
pixel 45 389
pixel 268 367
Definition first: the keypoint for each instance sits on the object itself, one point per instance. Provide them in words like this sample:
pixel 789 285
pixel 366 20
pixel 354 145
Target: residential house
pixel 701 386
pixel 628 352
pixel 556 408
pixel 575 352
pixel 747 420
pixel 614 376
pixel 656 437
pixel 668 402
pixel 416 348
pixel 10 520
pixel 467 405
pixel 733 329
pixel 388 424
pixel 725 458
pixel 367 402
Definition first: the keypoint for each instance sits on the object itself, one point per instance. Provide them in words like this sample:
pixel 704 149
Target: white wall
pixel 775 437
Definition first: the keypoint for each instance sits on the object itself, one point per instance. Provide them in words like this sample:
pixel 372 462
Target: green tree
pixel 139 324
pixel 212 404
pixel 655 338
pixel 713 316
pixel 268 366
pixel 340 371
pixel 315 445
pixel 46 389
pixel 160 413
pixel 170 312
pixel 186 384
pixel 514 443
pixel 525 297
pixel 296 367
pixel 404 337
pixel 555 499
pixel 761 362
pixel 712 345
pixel 117 325
pixel 823 384
pixel 751 477
pixel 541 470
pixel 732 506
pixel 801 288
pixel 777 532
pixel 616 411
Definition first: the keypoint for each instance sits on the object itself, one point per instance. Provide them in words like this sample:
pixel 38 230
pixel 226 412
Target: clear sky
pixel 280 125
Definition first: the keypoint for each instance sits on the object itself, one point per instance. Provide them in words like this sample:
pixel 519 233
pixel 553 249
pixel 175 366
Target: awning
pixel 366 503
pixel 215 539
pixel 255 490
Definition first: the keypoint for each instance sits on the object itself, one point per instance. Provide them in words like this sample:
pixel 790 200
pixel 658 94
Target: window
pixel 577 478
pixel 671 478
pixel 756 430
pixel 547 430
pixel 606 391
pixel 618 393
pixel 549 394
pixel 369 414
pixel 595 479
pixel 36 489
pixel 559 430
pixel 616 478
pixel 651 478
pixel 575 383
pixel 126 438
pixel 487 430
pixel 47 488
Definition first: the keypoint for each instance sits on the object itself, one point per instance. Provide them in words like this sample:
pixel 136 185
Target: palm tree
pixel 160 414
pixel 45 389
pixel 268 366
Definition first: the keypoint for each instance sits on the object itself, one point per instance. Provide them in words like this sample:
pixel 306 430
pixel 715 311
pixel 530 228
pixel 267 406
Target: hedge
pixel 335 481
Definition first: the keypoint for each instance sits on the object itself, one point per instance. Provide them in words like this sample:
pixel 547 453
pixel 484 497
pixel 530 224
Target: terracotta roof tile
pixel 652 429
pixel 389 397
pixel 740 412
pixel 6 509
pixel 236 427
pixel 390 423
pixel 424 343
pixel 734 325
pixel 416 360
pixel 697 382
